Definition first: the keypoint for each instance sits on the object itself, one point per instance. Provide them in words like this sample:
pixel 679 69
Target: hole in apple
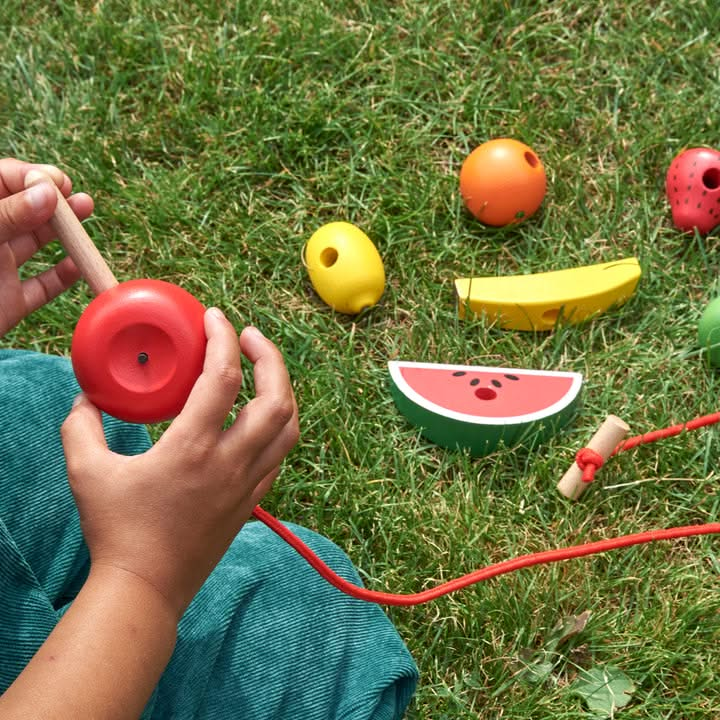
pixel 711 178
pixel 328 257
pixel 485 393
pixel 531 159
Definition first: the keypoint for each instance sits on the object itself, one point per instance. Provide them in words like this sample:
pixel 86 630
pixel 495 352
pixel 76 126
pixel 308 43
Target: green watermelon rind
pixel 478 434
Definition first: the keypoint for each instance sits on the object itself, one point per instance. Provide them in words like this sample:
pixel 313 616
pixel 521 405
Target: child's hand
pixel 23 231
pixel 168 516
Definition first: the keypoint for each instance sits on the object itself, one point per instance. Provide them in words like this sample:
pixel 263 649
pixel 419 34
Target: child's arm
pixel 156 524
pixel 104 657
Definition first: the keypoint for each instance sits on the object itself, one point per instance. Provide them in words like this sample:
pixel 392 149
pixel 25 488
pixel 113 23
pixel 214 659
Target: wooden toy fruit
pixel 502 181
pixel 709 332
pixel 538 301
pixel 139 346
pixel 692 185
pixel 478 408
pixel 345 267
pixel 138 349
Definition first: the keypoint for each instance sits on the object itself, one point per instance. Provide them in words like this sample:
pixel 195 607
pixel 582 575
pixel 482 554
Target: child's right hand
pixel 167 516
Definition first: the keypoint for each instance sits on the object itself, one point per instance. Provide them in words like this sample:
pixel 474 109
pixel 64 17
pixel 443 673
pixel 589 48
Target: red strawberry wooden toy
pixel 139 346
pixel 692 185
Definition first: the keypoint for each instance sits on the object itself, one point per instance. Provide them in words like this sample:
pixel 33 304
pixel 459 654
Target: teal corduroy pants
pixel 264 638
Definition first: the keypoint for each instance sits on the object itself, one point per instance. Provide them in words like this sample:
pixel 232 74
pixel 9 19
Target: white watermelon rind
pixel 481 435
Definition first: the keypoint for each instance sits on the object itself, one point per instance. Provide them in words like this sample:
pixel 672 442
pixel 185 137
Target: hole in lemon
pixel 328 257
pixel 550 316
pixel 711 178
pixel 485 394
pixel 531 159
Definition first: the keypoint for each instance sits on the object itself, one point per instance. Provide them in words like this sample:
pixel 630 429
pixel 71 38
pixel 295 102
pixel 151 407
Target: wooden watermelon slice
pixel 478 408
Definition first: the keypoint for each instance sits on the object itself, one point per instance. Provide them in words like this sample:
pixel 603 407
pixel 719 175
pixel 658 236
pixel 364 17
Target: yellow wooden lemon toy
pixel 345 267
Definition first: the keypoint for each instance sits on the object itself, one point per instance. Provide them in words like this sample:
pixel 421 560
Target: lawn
pixel 216 137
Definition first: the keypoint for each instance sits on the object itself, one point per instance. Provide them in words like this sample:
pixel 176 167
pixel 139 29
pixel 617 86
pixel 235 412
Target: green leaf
pixel 604 690
pixel 540 664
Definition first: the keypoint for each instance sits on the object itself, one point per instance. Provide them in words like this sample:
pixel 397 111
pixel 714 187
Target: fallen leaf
pixel 604 690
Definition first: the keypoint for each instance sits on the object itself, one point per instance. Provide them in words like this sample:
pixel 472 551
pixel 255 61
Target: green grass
pixel 217 136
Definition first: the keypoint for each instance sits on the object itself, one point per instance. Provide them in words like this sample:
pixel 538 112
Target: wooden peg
pixel 75 240
pixel 603 442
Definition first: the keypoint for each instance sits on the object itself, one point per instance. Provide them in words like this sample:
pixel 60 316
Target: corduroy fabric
pixel 264 638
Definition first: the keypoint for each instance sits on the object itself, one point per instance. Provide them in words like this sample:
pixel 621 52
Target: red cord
pixel 587 462
pixel 491 571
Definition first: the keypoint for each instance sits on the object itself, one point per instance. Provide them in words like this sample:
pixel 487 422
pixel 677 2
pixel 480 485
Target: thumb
pixel 83 436
pixel 26 210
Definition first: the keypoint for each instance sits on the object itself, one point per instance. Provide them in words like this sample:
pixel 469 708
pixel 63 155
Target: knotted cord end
pixel 589 461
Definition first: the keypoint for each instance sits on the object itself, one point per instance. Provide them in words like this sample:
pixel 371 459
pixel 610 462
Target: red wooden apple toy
pixel 692 184
pixel 139 346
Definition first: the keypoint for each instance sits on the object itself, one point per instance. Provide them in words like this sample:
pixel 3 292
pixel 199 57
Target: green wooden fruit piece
pixel 479 408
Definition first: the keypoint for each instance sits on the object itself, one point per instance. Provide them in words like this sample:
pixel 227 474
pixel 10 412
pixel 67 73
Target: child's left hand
pixel 24 229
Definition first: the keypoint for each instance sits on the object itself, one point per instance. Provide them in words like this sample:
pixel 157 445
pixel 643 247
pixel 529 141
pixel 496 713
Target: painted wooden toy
pixel 479 408
pixel 139 346
pixel 602 444
pixel 538 301
pixel 692 185
pixel 345 267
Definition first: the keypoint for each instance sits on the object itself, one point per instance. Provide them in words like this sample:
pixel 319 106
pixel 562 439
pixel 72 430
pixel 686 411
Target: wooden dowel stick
pixel 75 240
pixel 603 442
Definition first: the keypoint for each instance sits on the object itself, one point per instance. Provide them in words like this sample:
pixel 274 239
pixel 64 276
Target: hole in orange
pixel 531 159
pixel 328 257
pixel 711 178
pixel 485 394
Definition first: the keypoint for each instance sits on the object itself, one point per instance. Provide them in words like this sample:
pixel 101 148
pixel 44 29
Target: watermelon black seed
pixel 512 377
pixel 496 383
pixel 474 382
pixel 459 373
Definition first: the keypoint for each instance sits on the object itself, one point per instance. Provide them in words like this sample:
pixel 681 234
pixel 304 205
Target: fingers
pixel 41 289
pixel 216 390
pixel 13 172
pixel 263 487
pixel 269 422
pixel 267 427
pixel 83 437
pixel 26 244
pixel 23 212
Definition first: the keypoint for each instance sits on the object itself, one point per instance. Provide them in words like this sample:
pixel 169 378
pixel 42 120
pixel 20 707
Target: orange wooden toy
pixel 502 182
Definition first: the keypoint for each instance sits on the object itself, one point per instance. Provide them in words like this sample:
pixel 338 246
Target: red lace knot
pixel 589 461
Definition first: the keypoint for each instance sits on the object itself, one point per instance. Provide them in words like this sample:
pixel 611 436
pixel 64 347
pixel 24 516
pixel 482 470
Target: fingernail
pixel 217 313
pixel 252 329
pixel 36 176
pixel 37 196
pixel 57 175
pixel 78 399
